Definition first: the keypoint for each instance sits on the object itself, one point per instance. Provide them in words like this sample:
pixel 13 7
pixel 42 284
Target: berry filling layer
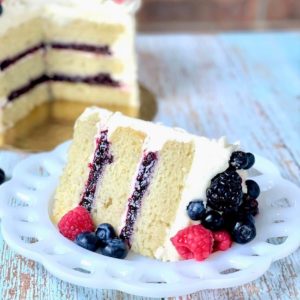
pixel 141 185
pixel 99 79
pixel 102 157
pixel 103 50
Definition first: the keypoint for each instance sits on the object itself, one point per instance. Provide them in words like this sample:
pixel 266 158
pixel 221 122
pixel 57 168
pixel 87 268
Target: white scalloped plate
pixel 26 227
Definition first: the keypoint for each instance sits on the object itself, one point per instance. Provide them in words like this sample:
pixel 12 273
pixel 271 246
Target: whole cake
pixel 153 184
pixel 65 49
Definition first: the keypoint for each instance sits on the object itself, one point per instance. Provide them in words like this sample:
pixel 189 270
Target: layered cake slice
pixel 148 181
pixel 67 50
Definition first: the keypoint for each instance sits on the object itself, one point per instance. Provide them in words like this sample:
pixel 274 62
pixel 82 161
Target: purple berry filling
pixel 104 50
pixel 135 201
pixel 26 88
pixel 12 60
pixel 102 157
pixel 100 79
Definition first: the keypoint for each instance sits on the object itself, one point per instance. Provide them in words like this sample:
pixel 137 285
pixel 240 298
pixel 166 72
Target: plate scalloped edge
pixel 26 227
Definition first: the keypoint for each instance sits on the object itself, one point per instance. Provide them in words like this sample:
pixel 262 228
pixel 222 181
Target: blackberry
pixel 225 192
pixel 238 160
pixel 249 205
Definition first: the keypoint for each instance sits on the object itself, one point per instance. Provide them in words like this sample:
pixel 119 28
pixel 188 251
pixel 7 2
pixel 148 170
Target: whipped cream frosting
pixel 16 12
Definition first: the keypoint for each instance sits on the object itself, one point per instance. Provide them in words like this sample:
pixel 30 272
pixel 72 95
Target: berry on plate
pixel 104 233
pixel 225 192
pixel 249 205
pixel 87 240
pixel 2 176
pixel 196 210
pixel 193 242
pixel 116 248
pixel 222 240
pixel 238 160
pixel 253 189
pixel 213 220
pixel 250 161
pixel 243 232
pixel 74 222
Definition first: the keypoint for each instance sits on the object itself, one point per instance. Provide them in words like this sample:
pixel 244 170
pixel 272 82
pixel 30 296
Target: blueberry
pixel 240 215
pixel 243 232
pixel 116 248
pixel 250 161
pixel 213 220
pixel 87 240
pixel 1 9
pixel 2 176
pixel 196 210
pixel 105 232
pixel 238 160
pixel 253 189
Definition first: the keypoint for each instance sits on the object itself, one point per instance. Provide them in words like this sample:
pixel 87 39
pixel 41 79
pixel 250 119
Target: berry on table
pixel 74 222
pixel 253 189
pixel 2 176
pixel 104 233
pixel 222 240
pixel 243 232
pixel 196 210
pixel 116 248
pixel 193 242
pixel 87 240
pixel 213 220
pixel 225 192
pixel 250 161
pixel 238 160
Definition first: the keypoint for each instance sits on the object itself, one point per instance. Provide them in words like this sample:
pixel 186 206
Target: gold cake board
pixel 51 123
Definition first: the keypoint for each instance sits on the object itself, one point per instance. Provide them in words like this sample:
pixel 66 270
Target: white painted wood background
pixel 244 86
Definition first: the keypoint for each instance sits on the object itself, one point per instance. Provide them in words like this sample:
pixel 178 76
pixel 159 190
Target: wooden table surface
pixel 244 86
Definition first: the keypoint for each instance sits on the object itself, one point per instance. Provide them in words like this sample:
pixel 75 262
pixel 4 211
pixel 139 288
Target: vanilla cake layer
pixel 161 203
pixel 98 94
pixel 76 172
pixel 19 38
pixel 17 110
pixel 86 64
pixel 142 180
pixel 28 68
pixel 115 187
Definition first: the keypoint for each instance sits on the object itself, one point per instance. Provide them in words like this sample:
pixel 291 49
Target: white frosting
pixel 16 12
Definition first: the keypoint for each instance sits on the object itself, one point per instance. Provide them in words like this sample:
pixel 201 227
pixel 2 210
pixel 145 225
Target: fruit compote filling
pixel 102 50
pixel 141 185
pixel 102 157
pixel 100 79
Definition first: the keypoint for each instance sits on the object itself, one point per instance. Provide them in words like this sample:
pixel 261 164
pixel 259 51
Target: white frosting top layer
pixel 211 157
pixel 16 12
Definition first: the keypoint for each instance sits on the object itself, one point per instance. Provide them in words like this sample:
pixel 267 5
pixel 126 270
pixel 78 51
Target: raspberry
pixel 193 242
pixel 222 240
pixel 74 222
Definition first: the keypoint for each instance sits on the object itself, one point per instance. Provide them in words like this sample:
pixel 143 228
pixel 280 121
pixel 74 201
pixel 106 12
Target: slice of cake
pixel 146 180
pixel 67 50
